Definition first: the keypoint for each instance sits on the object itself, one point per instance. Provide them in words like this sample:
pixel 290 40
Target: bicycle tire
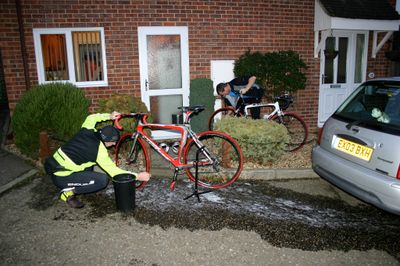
pixel 226 169
pixel 136 161
pixel 297 129
pixel 224 111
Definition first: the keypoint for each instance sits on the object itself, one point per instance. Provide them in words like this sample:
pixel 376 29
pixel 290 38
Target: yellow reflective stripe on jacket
pixel 91 121
pixel 105 162
pixel 68 164
pixel 102 159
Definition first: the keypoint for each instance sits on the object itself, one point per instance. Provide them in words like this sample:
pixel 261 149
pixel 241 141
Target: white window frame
pixel 70 56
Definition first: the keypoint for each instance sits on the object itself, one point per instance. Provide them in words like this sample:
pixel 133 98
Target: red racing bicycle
pixel 215 156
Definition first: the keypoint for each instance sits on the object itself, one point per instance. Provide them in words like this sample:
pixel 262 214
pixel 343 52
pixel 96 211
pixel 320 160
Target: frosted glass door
pixel 164 70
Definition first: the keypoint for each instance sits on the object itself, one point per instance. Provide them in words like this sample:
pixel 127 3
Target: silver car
pixel 358 149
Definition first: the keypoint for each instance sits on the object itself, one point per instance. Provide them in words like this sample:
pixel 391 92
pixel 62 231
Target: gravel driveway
pixel 36 228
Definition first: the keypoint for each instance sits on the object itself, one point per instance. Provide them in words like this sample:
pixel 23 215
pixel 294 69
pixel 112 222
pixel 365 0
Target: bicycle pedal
pixel 172 185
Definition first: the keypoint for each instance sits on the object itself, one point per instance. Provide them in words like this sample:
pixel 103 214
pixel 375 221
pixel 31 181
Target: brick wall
pixel 11 52
pixel 217 30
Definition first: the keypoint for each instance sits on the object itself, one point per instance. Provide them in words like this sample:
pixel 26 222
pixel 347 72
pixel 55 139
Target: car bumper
pixel 370 186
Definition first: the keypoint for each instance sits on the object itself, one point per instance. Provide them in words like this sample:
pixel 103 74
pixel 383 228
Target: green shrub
pixel 252 64
pixel 58 108
pixel 277 72
pixel 124 104
pixel 201 93
pixel 284 72
pixel 261 141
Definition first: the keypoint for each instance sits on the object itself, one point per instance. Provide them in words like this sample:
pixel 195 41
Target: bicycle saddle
pixel 195 108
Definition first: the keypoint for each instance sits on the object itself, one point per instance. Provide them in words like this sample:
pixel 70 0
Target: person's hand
pixel 114 115
pixel 243 91
pixel 143 176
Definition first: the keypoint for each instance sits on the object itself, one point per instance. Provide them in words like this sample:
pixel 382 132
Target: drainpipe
pixel 23 46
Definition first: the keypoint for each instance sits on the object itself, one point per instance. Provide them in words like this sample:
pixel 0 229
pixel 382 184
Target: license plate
pixel 354 149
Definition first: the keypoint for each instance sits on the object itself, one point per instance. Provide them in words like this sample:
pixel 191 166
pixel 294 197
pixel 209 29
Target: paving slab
pixel 13 169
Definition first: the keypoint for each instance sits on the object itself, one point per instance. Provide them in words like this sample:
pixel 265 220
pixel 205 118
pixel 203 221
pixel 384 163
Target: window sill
pixel 81 84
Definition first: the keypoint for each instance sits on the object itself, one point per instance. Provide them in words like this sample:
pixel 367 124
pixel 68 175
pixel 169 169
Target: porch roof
pixel 357 15
pixel 360 9
pixel 377 15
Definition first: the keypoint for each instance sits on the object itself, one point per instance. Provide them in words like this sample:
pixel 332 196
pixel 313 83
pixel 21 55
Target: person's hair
pixel 220 87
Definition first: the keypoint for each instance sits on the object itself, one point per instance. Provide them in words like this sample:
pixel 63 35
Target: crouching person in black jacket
pixel 71 166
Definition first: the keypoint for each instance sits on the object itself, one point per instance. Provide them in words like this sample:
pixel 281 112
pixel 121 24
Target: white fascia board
pixel 364 24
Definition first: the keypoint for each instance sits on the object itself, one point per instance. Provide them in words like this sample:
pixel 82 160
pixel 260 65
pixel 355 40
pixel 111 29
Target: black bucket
pixel 124 188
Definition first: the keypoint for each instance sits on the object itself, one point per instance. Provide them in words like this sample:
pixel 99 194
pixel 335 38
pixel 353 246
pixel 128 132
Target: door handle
pixel 146 84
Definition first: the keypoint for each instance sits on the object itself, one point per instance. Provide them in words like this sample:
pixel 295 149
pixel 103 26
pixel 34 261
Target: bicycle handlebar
pixel 141 116
pixel 287 101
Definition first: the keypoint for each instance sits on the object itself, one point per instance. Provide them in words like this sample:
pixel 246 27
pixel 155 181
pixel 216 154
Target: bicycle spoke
pixel 132 158
pixel 224 167
pixel 297 130
pixel 218 115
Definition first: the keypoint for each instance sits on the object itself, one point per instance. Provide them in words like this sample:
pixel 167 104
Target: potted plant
pixel 330 53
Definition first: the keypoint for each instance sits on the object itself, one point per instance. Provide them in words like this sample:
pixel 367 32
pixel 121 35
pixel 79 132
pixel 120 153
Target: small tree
pixel 124 104
pixel 201 93
pixel 277 72
pixel 284 72
pixel 252 64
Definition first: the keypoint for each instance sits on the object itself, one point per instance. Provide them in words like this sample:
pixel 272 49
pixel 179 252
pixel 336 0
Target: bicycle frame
pixel 221 157
pixel 276 109
pixel 186 133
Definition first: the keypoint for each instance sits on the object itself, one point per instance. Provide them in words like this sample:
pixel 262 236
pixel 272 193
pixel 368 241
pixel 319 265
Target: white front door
pixel 164 70
pixel 341 72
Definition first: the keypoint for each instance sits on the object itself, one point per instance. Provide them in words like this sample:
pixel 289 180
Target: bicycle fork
pixel 131 152
pixel 209 157
pixel 201 149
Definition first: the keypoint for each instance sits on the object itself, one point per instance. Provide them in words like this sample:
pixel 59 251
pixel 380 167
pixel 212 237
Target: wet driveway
pixel 279 211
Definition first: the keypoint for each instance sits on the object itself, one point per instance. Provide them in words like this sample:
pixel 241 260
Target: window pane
pixel 54 56
pixel 164 61
pixel 360 44
pixel 328 75
pixel 87 56
pixel 163 107
pixel 342 60
pixel 383 96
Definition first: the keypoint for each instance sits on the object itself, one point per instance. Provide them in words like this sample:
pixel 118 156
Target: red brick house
pixel 152 49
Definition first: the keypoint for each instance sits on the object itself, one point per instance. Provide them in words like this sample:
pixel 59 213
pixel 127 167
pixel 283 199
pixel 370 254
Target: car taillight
pixel 398 172
pixel 320 131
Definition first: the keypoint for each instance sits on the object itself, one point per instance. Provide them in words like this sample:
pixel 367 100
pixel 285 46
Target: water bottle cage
pixel 173 146
pixel 164 146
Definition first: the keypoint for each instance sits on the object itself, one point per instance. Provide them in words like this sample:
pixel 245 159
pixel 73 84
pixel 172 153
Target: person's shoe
pixel 74 202
pixel 70 198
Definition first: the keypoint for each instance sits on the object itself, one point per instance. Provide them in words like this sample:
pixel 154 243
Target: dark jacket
pixel 83 151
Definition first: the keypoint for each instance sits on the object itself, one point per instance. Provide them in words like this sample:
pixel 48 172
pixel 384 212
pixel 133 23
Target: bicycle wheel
pixel 226 162
pixel 296 128
pixel 220 114
pixel 134 159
